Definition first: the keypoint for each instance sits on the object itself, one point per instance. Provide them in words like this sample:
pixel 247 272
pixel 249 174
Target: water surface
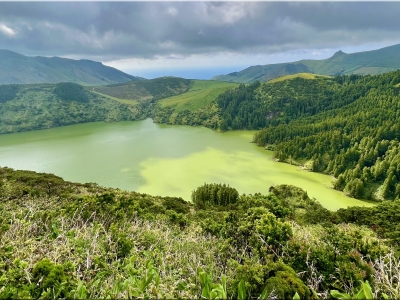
pixel 159 159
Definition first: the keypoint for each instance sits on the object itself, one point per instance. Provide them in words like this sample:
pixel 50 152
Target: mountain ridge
pixel 17 68
pixel 340 63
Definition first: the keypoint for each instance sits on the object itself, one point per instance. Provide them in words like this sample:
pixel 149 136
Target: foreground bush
pixel 60 239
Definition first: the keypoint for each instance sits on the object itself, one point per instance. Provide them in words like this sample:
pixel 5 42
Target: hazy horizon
pixel 196 39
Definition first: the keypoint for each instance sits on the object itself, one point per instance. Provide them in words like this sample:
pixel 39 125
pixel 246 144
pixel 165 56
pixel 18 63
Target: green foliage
pixel 364 292
pixel 146 90
pixel 123 243
pixel 137 285
pixel 43 106
pixel 269 279
pixel 262 228
pixel 194 107
pixel 8 92
pixel 69 91
pixel 303 209
pixel 345 129
pixel 279 207
pixel 176 204
pixel 214 194
pixel 86 241
pixel 210 290
pixel 234 102
pixel 242 290
pixel 384 218
pixel 49 280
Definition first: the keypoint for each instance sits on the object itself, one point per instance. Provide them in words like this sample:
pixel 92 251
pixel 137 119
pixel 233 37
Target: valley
pixel 302 118
pixel 160 160
pixel 181 188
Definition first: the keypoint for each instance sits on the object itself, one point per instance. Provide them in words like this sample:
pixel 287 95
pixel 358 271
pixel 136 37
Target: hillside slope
pixel 146 90
pixel 194 106
pixel 346 126
pixel 19 69
pixel 368 62
pixel 40 106
pixel 67 240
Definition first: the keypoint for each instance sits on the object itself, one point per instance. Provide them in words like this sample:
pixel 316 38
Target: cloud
pixel 172 11
pixel 7 30
pixel 110 31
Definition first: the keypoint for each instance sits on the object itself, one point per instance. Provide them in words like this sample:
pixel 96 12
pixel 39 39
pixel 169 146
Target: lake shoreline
pixel 159 159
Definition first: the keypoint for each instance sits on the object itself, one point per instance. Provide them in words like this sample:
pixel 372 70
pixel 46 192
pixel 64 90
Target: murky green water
pixel 159 159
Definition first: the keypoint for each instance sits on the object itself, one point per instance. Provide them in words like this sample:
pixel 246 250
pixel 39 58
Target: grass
pixel 199 95
pixel 146 90
pixel 123 101
pixel 298 75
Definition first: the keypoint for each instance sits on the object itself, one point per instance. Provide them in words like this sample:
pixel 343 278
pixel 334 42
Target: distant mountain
pixel 16 68
pixel 368 62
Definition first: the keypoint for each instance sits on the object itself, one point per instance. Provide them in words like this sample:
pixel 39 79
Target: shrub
pixel 214 194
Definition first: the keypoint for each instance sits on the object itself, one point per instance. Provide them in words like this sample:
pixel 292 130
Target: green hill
pixel 146 90
pixel 19 69
pixel 297 75
pixel 346 126
pixel 368 62
pixel 40 106
pixel 192 107
pixel 199 95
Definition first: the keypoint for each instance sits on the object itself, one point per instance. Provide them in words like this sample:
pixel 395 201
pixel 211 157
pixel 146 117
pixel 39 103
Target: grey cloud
pixel 110 30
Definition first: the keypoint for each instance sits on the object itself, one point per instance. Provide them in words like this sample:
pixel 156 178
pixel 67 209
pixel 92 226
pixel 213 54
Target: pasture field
pixel 199 95
pixel 298 75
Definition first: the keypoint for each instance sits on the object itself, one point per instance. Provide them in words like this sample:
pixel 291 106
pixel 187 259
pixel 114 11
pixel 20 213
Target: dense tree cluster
pixel 358 143
pixel 8 92
pixel 214 194
pixel 69 91
pixel 239 108
pixel 37 107
pixel 207 116
pixel 256 106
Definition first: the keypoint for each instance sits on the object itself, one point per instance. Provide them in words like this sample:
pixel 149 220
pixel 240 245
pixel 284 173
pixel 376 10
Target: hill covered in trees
pixel 193 106
pixel 167 100
pixel 40 106
pixel 348 126
pixel 62 239
pixel 369 62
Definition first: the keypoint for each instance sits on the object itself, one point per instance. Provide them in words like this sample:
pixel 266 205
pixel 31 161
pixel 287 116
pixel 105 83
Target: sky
pixel 196 39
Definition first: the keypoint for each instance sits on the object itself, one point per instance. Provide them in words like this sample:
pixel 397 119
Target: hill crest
pixel 340 63
pixel 17 68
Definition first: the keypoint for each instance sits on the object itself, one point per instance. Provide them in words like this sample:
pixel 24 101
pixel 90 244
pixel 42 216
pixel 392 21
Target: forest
pixel 41 106
pixel 71 240
pixel 346 126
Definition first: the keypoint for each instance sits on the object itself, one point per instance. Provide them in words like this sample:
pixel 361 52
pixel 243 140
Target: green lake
pixel 160 159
